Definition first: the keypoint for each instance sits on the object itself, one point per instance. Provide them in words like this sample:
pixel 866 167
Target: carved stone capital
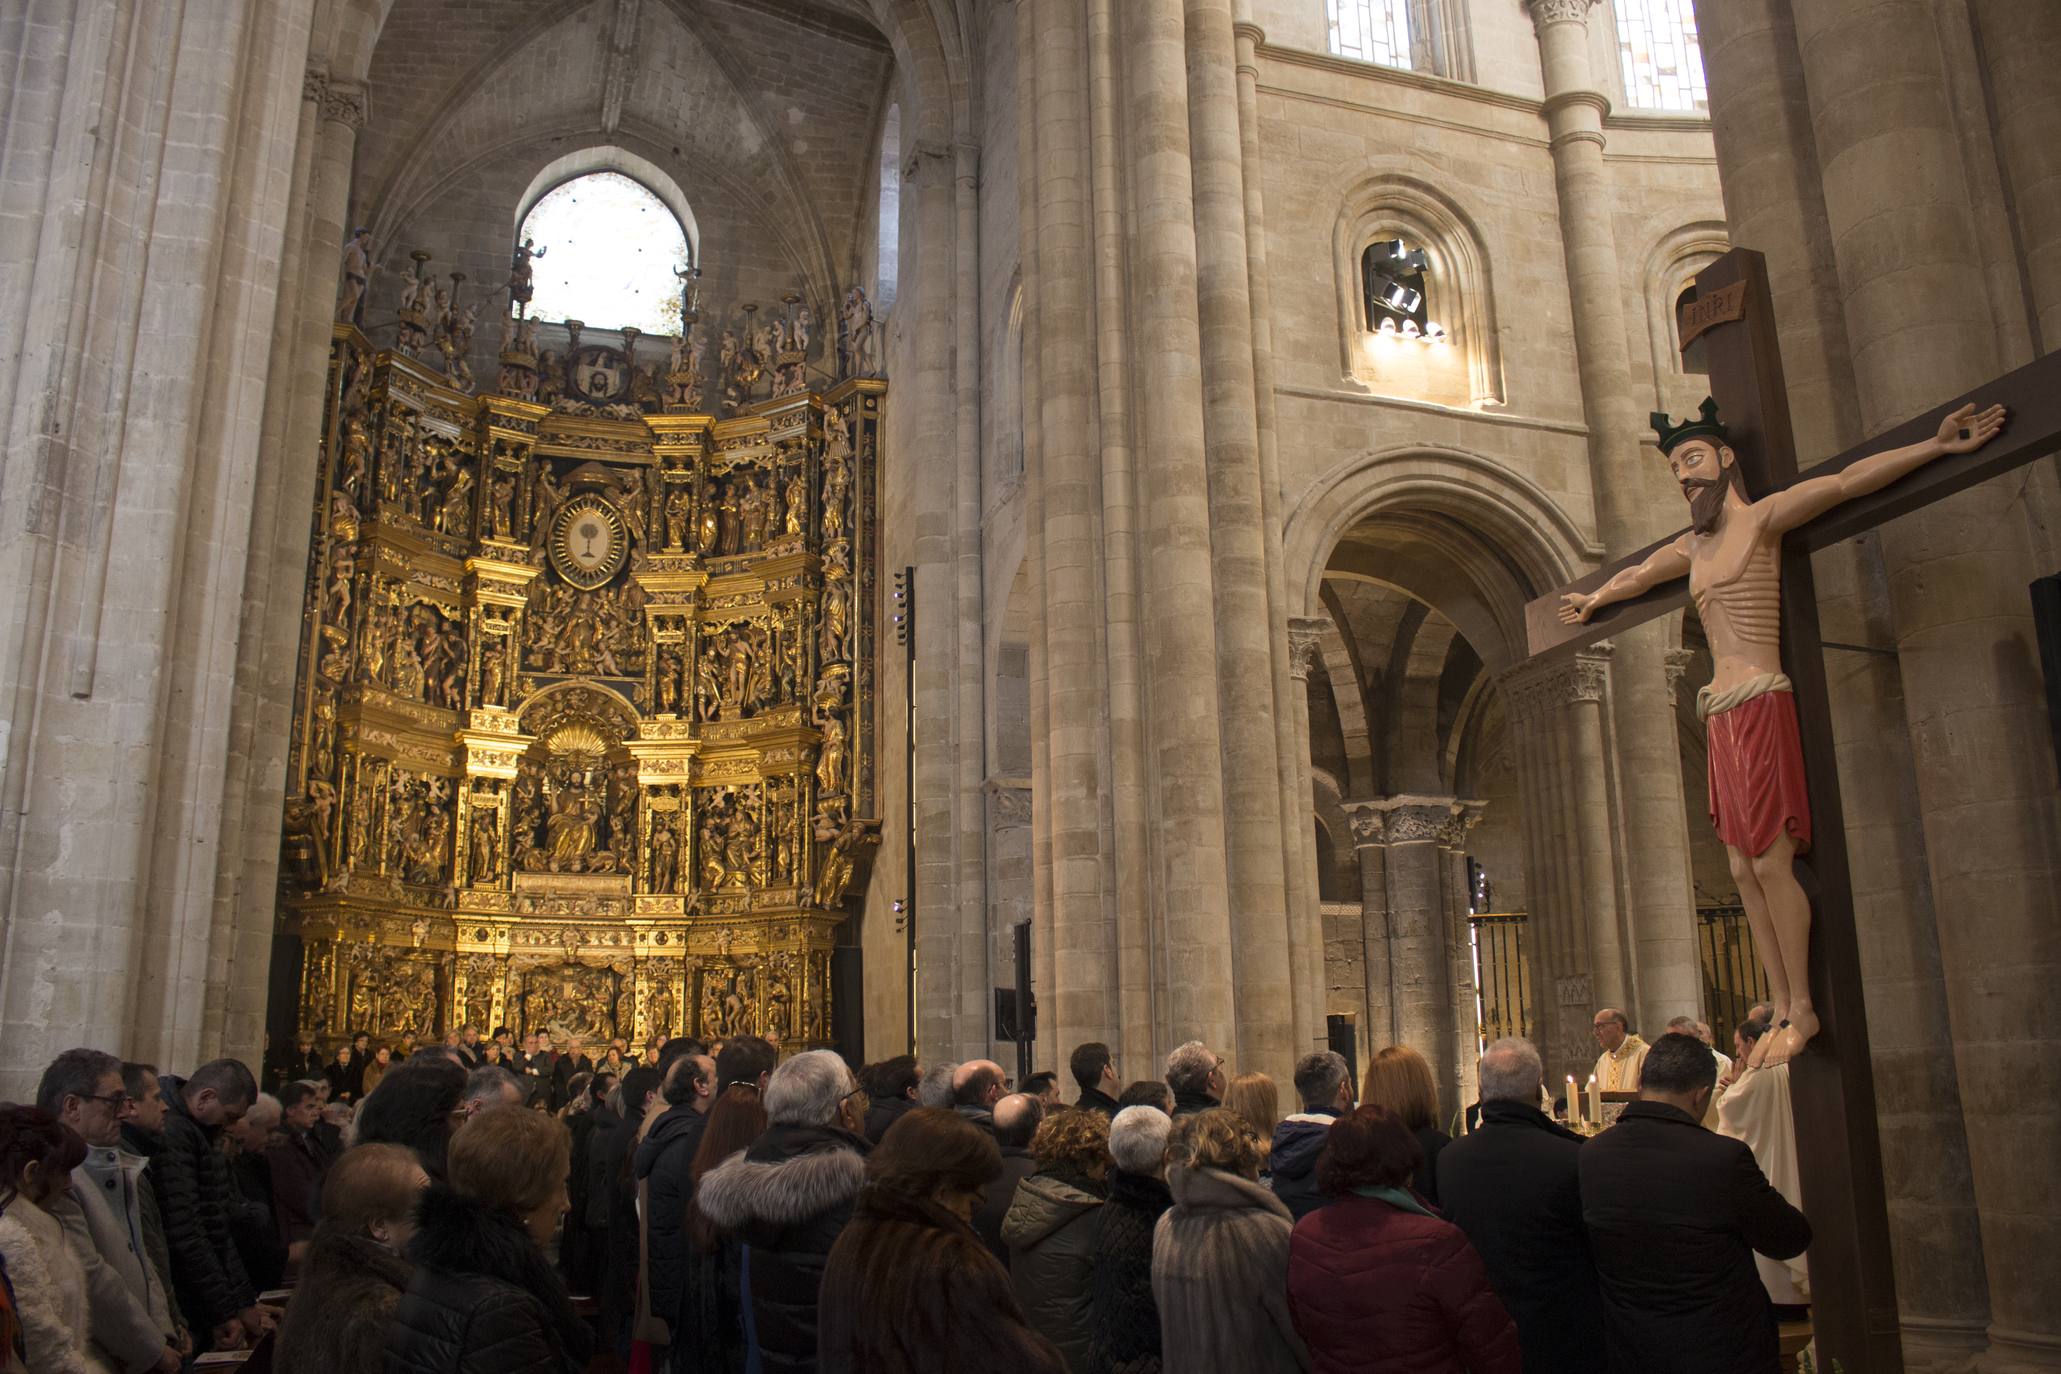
pixel 1305 641
pixel 1677 663
pixel 345 103
pixel 1545 12
pixel 1369 823
pixel 314 84
pixel 1532 692
pixel 1464 816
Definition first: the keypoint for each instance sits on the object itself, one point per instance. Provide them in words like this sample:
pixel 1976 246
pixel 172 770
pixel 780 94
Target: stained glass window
pixel 1371 30
pixel 609 251
pixel 1663 61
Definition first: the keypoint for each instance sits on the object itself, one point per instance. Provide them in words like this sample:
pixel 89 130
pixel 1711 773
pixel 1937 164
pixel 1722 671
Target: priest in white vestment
pixel 1617 1068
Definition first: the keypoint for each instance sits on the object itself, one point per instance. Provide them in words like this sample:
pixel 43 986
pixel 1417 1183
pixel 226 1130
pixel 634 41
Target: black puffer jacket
pixel 483 1299
pixel 786 1199
pixel 1292 1166
pixel 194 1198
pixel 665 1164
pixel 1123 1332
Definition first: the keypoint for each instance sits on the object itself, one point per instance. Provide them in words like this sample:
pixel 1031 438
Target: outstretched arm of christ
pixel 1664 564
pixel 1963 431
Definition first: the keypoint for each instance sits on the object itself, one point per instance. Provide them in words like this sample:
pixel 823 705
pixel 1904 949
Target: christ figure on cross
pixel 1730 553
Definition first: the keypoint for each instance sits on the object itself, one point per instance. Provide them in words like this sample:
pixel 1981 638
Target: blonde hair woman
pixel 1400 1080
pixel 1220 1254
pixel 1254 1099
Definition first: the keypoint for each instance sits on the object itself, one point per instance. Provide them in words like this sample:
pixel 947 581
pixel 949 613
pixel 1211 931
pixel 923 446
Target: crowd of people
pixel 467 1207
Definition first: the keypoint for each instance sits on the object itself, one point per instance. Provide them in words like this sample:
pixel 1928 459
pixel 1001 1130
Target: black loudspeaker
pixel 2046 621
pixel 1342 1034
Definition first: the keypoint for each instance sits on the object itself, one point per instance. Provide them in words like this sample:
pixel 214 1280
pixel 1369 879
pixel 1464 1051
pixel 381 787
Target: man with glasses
pixel 131 1323
pixel 1196 1074
pixel 1617 1068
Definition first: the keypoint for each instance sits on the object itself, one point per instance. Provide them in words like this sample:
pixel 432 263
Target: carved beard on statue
pixel 1707 498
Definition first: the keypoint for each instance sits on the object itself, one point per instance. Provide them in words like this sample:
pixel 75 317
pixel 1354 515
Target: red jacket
pixel 1376 1288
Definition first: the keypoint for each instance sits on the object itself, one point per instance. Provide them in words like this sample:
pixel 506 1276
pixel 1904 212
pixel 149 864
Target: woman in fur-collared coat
pixel 353 1275
pixel 1220 1256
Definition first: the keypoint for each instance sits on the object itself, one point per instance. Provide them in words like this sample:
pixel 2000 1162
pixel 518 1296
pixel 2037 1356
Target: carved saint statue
pixel 797 501
pixel 751 515
pixel 501 506
pixel 486 847
pixel 830 761
pixel 678 507
pixel 708 692
pixel 570 829
pixel 1731 555
pixel 837 482
pixel 491 671
pixel 665 859
pixel 834 624
pixel 357 271
pixel 668 683
pixel 521 276
pixel 736 671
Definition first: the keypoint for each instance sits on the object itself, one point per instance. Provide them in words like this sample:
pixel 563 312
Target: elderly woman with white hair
pixel 786 1198
pixel 1124 1328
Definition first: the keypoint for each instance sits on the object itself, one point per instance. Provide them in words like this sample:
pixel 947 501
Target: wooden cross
pixel 1839 1156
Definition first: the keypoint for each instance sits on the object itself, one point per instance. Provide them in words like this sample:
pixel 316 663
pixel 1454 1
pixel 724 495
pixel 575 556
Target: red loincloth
pixel 1757 787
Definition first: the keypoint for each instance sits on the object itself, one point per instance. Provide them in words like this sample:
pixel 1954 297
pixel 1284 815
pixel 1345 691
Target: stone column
pixel 1555 712
pixel 1192 901
pixel 1379 1025
pixel 1897 208
pixel 260 725
pixel 1140 941
pixel 1079 1001
pixel 1460 981
pixel 2021 43
pixel 1648 764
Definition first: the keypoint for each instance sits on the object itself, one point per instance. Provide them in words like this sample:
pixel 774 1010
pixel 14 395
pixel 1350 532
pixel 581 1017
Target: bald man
pixel 1617 1068
pixel 1016 1120
pixel 976 1086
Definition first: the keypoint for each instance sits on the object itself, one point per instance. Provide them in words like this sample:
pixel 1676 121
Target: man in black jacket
pixel 1324 1084
pixel 976 1086
pixel 664 1170
pixel 1016 1120
pixel 612 1204
pixel 788 1197
pixel 1094 1067
pixel 194 1194
pixel 1514 1186
pixel 573 1061
pixel 1675 1214
pixel 890 1092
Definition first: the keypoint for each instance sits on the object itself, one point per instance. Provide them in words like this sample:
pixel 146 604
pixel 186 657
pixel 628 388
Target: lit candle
pixel 1595 1101
pixel 1574 1102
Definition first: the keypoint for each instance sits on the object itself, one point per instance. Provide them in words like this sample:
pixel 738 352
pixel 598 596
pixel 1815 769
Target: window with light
pixel 1661 55
pixel 1371 30
pixel 608 252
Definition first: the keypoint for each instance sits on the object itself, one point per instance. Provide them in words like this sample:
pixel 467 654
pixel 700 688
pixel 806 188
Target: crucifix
pixel 1760 608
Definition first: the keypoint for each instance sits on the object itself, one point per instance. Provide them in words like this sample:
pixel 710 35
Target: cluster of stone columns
pixel 1880 155
pixel 152 154
pixel 1173 865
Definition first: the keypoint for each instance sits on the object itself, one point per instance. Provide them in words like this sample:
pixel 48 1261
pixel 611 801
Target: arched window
pixel 890 253
pixel 1371 30
pixel 610 249
pixel 1392 286
pixel 1661 55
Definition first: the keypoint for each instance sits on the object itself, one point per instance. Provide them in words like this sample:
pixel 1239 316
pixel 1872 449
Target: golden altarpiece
pixel 584 728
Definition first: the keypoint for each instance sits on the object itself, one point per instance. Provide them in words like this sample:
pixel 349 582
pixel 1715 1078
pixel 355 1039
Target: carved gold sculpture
pixel 585 719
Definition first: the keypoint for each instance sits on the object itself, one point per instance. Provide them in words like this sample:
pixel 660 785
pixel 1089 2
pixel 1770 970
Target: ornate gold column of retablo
pixel 585 721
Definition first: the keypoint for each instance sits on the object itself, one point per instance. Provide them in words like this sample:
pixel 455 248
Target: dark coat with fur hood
pixel 910 1289
pixel 483 1299
pixel 786 1199
pixel 338 1321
